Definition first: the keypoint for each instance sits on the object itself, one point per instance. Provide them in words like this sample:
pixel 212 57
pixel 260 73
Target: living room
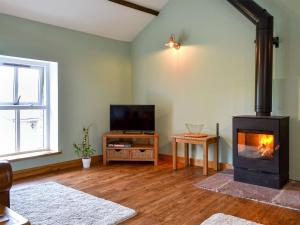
pixel 69 69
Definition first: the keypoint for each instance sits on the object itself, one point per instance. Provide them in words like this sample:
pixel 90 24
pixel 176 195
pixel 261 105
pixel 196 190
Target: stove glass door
pixel 256 145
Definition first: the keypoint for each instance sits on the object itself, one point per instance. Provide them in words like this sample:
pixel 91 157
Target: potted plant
pixel 84 150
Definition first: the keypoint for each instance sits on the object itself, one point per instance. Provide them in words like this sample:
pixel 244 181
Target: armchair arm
pixel 6 180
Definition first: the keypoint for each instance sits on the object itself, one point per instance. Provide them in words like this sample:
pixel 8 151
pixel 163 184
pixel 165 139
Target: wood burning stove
pixel 261 150
pixel 261 142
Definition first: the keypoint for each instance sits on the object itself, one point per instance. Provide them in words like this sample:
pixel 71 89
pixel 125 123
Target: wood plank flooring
pixel 163 196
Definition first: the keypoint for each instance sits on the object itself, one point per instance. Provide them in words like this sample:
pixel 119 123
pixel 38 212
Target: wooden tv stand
pixel 144 147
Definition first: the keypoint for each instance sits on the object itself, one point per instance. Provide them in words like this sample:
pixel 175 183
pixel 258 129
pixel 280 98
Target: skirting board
pixel 76 163
pixel 21 174
pixel 195 162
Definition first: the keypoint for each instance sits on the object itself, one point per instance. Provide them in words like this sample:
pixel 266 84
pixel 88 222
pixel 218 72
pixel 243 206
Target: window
pixel 25 112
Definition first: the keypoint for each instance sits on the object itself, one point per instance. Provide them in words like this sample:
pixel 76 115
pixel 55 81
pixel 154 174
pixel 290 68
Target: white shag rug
pixel 52 203
pixel 222 219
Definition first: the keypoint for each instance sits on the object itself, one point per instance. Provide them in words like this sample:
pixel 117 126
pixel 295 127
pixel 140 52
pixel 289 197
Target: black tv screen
pixel 132 117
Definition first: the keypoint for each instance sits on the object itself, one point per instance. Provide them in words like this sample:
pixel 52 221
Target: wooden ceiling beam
pixel 136 7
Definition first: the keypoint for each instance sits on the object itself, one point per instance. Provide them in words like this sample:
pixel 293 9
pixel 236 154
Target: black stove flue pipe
pixel 264 53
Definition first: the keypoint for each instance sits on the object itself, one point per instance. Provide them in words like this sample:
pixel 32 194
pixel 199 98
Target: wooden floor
pixel 162 196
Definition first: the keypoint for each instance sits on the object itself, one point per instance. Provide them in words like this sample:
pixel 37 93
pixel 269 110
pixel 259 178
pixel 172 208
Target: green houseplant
pixel 84 150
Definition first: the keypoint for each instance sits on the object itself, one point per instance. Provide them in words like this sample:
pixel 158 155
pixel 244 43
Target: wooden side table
pixel 14 218
pixel 205 142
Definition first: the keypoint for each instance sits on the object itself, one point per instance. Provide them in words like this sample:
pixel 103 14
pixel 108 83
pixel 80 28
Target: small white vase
pixel 86 163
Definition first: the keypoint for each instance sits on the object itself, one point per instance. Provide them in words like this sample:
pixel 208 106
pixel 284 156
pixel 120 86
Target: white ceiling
pixel 99 17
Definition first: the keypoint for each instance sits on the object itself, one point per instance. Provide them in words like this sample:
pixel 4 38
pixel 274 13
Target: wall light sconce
pixel 172 42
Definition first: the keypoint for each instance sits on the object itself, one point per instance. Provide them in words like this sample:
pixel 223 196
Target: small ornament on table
pixel 195 131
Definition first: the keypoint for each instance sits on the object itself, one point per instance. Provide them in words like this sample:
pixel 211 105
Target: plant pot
pixel 86 163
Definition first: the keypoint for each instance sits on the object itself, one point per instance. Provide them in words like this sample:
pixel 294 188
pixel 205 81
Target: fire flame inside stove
pixel 266 147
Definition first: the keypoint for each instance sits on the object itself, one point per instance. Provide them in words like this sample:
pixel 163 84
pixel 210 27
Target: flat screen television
pixel 132 118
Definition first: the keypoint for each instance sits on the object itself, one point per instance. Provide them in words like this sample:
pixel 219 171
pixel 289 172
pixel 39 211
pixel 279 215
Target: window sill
pixel 30 155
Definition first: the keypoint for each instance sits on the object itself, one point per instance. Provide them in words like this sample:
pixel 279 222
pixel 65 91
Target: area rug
pixel 220 218
pixel 288 197
pixel 52 203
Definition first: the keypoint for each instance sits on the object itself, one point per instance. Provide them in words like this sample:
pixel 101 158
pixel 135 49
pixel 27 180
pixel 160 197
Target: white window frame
pixel 42 104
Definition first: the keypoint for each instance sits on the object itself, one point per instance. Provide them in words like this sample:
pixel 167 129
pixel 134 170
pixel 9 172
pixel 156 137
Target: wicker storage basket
pixel 142 154
pixel 120 154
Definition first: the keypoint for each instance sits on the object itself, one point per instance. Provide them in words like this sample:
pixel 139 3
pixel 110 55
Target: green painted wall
pixel 94 72
pixel 211 78
pixel 208 80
